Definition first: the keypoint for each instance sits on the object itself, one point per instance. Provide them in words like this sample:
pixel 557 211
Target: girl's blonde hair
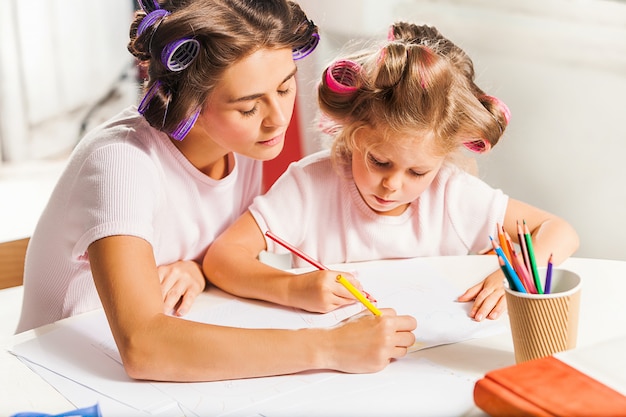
pixel 418 81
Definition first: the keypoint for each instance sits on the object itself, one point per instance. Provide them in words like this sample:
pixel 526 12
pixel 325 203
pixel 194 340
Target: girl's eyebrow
pixel 257 95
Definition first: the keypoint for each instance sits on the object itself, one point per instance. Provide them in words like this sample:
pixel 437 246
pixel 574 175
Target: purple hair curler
pixel 305 50
pixel 150 19
pixel 342 76
pixel 178 55
pixel 145 101
pixel 185 126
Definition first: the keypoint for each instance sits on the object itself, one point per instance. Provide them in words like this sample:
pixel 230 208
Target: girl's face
pixel 389 178
pixel 250 108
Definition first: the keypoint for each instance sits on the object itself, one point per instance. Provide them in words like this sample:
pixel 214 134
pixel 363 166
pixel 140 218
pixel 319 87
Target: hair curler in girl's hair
pixel 502 106
pixel 183 127
pixel 478 145
pixel 305 50
pixel 342 76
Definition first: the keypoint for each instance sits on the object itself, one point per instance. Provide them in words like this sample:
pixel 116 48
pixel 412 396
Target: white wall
pixel 57 58
pixel 561 68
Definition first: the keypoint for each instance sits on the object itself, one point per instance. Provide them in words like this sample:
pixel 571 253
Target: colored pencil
pixel 510 274
pixel 519 267
pixel 304 256
pixel 522 245
pixel 502 240
pixel 343 281
pixel 548 276
pixel 295 250
pixel 531 257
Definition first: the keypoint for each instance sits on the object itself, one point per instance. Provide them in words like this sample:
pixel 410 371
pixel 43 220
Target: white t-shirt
pixel 323 215
pixel 125 178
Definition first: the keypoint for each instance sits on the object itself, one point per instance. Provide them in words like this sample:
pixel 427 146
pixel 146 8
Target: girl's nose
pixel 393 181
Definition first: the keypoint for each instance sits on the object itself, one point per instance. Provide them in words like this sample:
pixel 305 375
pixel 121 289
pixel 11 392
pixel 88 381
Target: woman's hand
pixel 181 282
pixel 488 296
pixel 366 343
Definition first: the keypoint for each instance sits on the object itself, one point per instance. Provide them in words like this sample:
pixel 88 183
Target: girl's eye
pixel 416 174
pixel 374 161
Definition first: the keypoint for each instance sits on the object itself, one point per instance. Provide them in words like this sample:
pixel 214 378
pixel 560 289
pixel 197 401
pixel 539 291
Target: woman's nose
pixel 277 116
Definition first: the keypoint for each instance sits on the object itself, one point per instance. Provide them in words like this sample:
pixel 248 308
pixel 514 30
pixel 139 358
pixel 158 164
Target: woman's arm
pixel 156 346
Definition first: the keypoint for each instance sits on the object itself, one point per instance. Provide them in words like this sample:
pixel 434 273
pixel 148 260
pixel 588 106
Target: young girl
pixel 389 188
pixel 145 194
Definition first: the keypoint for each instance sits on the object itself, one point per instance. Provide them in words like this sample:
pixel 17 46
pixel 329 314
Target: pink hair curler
pixel 502 106
pixel 342 76
pixel 478 146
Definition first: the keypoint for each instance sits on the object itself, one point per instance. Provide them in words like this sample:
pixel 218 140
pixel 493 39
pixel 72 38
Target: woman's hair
pixel 418 82
pixel 225 30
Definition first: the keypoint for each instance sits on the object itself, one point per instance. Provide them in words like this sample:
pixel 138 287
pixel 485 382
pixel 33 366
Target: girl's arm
pixel 156 346
pixel 550 235
pixel 232 264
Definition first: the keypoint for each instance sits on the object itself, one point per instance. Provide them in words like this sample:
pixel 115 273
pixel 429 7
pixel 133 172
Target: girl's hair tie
pixel 343 76
pixel 502 106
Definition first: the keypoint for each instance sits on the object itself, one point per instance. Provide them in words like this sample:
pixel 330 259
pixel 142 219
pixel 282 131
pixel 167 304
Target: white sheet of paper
pixel 83 351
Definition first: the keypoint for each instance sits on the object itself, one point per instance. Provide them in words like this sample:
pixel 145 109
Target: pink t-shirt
pixel 125 178
pixel 323 214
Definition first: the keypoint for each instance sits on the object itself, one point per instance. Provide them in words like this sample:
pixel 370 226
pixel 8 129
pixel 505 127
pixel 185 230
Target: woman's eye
pixel 249 113
pixel 284 92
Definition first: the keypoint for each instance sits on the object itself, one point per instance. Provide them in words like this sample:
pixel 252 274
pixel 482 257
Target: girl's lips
pixel 383 201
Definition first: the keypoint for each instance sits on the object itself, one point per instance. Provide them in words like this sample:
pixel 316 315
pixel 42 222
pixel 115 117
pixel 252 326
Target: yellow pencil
pixel 371 307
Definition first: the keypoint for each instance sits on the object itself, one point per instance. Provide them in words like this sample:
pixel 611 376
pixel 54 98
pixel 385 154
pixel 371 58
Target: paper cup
pixel 544 324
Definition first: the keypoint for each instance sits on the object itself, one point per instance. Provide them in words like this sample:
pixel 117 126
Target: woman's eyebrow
pixel 257 95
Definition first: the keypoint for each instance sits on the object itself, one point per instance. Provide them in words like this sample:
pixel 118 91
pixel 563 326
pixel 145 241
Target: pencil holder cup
pixel 544 324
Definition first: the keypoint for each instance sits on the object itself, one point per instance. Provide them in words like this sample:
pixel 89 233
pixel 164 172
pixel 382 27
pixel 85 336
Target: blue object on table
pixel 93 411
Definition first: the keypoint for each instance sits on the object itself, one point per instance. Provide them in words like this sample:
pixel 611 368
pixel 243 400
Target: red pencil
pixel 304 256
pixel 295 250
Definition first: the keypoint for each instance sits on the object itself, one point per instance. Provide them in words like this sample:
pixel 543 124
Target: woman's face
pixel 389 178
pixel 250 108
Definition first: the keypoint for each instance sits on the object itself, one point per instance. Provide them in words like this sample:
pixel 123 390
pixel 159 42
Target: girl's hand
pixel 366 343
pixel 319 291
pixel 488 296
pixel 181 282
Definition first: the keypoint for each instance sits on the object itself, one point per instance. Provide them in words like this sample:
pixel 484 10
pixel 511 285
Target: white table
pixel 602 318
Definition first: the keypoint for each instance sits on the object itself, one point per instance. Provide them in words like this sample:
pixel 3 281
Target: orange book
pixel 546 387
